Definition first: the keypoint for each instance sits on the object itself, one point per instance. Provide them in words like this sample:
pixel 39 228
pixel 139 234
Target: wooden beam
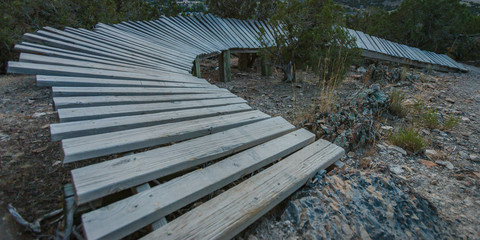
pixel 128 215
pixel 102 179
pixel 59 131
pixel 81 148
pixel 232 211
pixel 224 66
pixel 196 67
pixel 266 66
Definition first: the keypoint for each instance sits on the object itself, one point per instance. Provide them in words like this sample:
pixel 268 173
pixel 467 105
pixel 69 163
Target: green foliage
pixel 20 16
pixel 242 9
pixel 442 26
pixel 450 122
pixel 430 119
pixel 396 106
pixel 308 35
pixel 409 140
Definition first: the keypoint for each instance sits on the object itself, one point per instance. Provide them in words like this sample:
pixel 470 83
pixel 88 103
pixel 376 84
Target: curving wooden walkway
pixel 126 91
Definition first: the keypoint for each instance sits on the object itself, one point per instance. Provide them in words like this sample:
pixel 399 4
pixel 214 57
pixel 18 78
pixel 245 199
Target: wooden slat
pixel 126 216
pixel 92 101
pixel 232 211
pixel 86 147
pixel 130 91
pixel 63 81
pixel 101 179
pixel 89 113
pixel 59 131
pixel 47 69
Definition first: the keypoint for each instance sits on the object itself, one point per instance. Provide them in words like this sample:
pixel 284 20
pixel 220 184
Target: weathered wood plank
pixel 101 179
pixel 93 101
pixel 128 215
pixel 86 147
pixel 88 113
pixel 63 81
pixel 47 69
pixel 59 131
pixel 130 91
pixel 232 211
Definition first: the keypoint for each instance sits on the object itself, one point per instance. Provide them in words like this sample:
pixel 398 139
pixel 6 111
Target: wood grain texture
pixel 232 211
pixel 101 179
pixel 81 148
pixel 59 131
pixel 88 113
pixel 126 216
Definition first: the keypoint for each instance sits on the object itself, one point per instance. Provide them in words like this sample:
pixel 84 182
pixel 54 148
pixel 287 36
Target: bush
pixel 430 119
pixel 308 34
pixel 450 122
pixel 396 103
pixel 409 140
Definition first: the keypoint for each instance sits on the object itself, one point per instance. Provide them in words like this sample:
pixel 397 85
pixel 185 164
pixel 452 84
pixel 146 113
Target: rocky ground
pixel 397 194
pixel 379 191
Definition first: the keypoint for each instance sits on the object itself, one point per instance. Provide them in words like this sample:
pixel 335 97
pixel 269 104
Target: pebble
pixel 387 128
pixel 464 155
pixel 446 164
pixel 382 147
pixel 430 153
pixel 396 169
pixel 36 115
pixel 449 100
pixel 397 149
pixel 351 154
pixel 465 119
pixel 474 157
pixel 361 70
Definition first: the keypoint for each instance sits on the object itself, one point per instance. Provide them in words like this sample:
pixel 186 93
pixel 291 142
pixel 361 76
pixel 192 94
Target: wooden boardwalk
pixel 125 92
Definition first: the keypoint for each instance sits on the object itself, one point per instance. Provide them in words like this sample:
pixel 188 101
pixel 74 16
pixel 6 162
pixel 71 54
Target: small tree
pixel 308 34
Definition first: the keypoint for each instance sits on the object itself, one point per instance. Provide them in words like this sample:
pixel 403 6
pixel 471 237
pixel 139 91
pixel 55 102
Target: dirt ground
pixel 32 176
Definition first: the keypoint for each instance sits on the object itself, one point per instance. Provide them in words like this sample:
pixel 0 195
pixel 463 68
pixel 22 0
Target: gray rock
pixel 397 149
pixel 430 153
pixel 464 155
pixel 474 157
pixel 397 170
pixel 446 164
pixel 363 70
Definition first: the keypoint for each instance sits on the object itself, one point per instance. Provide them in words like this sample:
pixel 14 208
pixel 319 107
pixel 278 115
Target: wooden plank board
pixel 159 223
pixel 128 91
pixel 128 215
pixel 63 81
pixel 81 148
pixel 47 69
pixel 93 101
pixel 102 179
pixel 232 211
pixel 88 113
pixel 59 131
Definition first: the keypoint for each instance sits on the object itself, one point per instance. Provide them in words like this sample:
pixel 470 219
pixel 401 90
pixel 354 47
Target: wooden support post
pixel 196 68
pixel 266 66
pixel 224 66
pixel 243 61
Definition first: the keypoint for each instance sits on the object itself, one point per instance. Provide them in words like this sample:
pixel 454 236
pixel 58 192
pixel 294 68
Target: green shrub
pixel 430 120
pixel 309 34
pixel 396 106
pixel 450 122
pixel 409 140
